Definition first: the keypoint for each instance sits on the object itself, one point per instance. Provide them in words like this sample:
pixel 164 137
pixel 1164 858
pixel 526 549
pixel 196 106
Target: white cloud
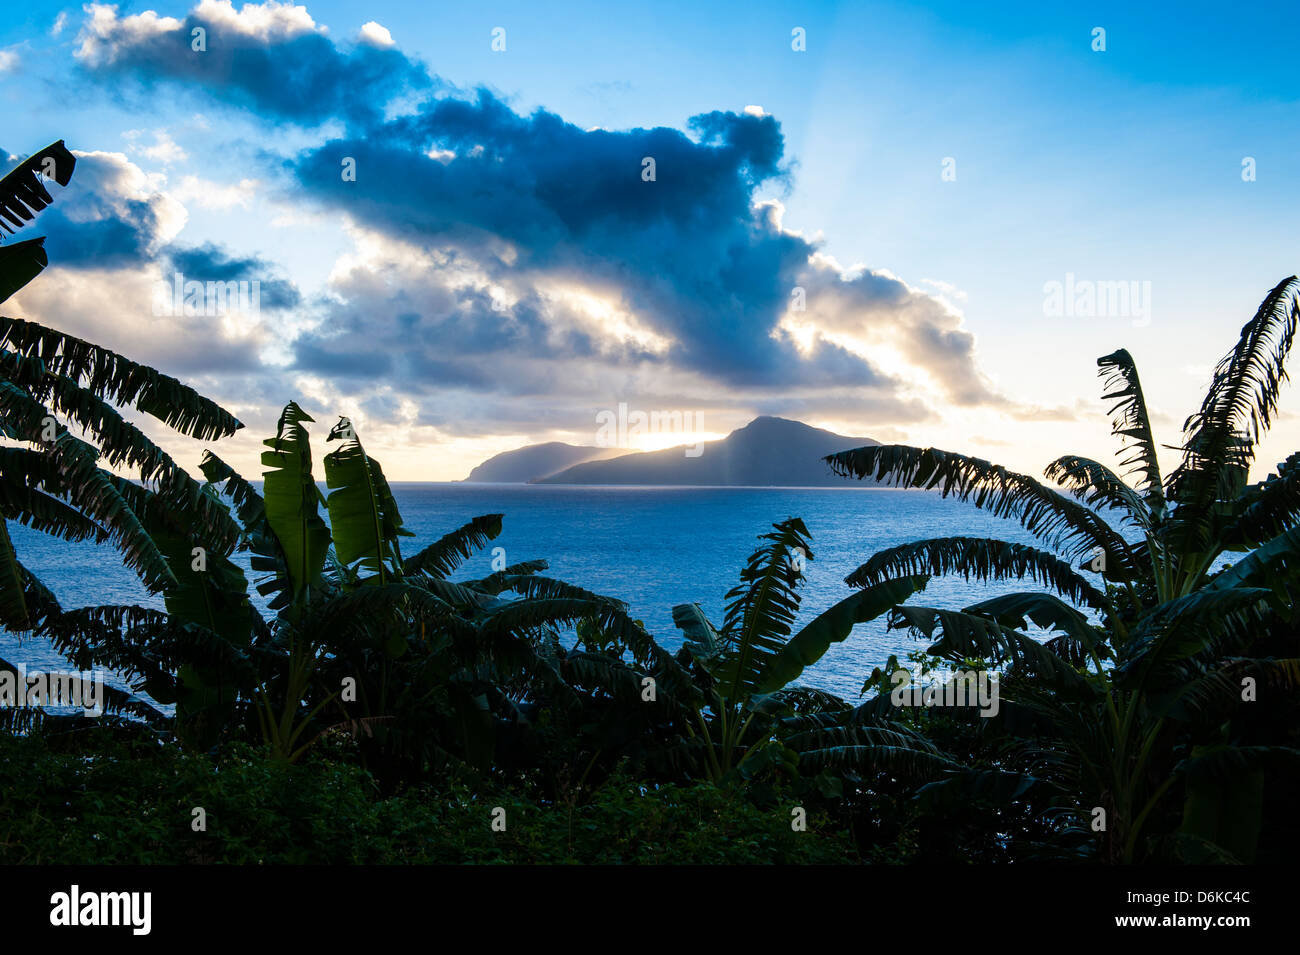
pixel 59 23
pixel 214 195
pixel 917 338
pixel 8 60
pixel 164 148
pixel 377 35
pixel 104 33
pixel 109 184
pixel 115 308
pixel 266 21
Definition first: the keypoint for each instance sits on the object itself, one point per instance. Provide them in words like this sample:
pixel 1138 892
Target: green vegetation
pixel 132 805
pixel 380 711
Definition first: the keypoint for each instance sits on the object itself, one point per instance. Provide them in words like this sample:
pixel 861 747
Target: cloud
pixel 216 195
pixel 112 215
pixel 520 267
pixel 909 332
pixel 105 39
pixel 270 58
pixel 163 149
pixel 1080 409
pixel 376 35
pixel 211 263
pixel 113 307
pixel 533 201
pixel 266 22
pixel 111 240
pixel 8 60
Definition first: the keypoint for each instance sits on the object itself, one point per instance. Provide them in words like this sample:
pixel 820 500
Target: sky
pixel 479 226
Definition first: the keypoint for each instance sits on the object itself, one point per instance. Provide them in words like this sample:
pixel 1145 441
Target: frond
pixel 20 262
pixel 146 646
pixel 550 603
pixel 118 379
pixel 23 194
pixel 982 559
pixel 622 683
pixel 267 557
pixel 498 581
pixel 1208 623
pixel 702 639
pixel 1219 439
pixel 13 605
pixel 89 488
pixel 292 501
pixel 444 555
pixel 832 626
pixel 1095 484
pixel 791 702
pixel 762 610
pixel 966 786
pixel 25 497
pixel 1273 564
pixel 402 607
pixel 907 759
pixel 1267 508
pixel 1048 612
pixel 967 636
pixel 1043 512
pixel 1133 425
pixel 364 520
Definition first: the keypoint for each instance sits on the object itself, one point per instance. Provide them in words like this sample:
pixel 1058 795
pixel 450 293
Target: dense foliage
pixel 134 805
pixel 380 709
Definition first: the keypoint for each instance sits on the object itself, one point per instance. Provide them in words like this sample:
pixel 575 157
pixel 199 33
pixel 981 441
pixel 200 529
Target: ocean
pixel 652 547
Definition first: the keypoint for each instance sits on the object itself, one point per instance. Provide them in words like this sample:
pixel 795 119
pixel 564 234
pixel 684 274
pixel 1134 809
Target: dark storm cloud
pixel 343 363
pixel 210 263
pixel 110 242
pixel 689 252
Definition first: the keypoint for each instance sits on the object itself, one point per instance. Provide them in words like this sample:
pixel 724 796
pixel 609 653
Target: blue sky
pixel 500 275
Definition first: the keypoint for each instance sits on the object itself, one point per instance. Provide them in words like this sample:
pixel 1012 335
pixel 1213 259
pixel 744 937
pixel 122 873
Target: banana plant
pixel 750 662
pixel 1137 693
pixel 52 480
pixel 427 661
pixel 58 483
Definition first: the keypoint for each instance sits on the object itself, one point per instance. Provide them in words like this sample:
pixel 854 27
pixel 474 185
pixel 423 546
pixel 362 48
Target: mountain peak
pixel 765 421
pixel 771 424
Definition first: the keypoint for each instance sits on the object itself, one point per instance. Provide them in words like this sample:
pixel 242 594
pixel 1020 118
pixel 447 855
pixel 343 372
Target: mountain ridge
pixel 535 461
pixel 767 452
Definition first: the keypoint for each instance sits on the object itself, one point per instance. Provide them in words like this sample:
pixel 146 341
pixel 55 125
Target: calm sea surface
pixel 651 547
